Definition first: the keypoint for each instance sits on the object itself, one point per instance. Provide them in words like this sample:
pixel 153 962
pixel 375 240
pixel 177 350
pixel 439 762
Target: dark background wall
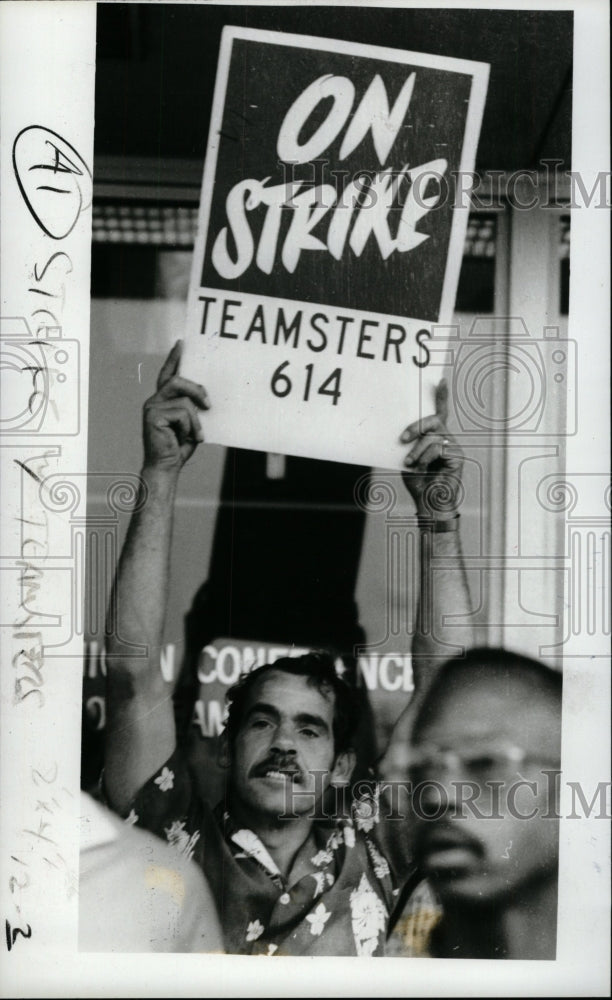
pixel 156 66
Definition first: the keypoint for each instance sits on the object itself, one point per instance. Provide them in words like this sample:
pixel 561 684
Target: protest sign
pixel 331 228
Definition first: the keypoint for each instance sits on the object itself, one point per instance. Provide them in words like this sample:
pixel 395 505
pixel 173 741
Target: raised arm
pixel 434 467
pixel 140 732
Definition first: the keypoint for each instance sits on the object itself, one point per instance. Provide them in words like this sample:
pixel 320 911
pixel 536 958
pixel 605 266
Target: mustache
pixel 285 763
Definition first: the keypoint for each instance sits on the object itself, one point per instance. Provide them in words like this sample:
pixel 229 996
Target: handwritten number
pixel 12 932
pixel 36 149
pixel 58 167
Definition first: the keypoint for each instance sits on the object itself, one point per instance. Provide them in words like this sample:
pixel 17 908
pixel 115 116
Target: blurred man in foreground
pixel 138 895
pixel 485 755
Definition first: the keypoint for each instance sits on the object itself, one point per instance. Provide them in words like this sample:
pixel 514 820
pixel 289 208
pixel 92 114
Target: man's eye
pixel 309 732
pixel 259 723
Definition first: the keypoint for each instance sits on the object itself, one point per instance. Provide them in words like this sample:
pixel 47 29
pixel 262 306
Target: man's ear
pixel 343 768
pixel 224 755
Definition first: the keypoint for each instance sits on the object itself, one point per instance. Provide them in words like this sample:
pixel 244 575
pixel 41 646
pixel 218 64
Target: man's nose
pixel 284 740
pixel 431 797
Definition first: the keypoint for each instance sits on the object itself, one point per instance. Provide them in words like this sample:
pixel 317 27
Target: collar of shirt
pixel 317 857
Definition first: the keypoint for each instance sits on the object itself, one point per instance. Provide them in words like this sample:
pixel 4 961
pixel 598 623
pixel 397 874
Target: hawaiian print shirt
pixel 337 899
pixel 415 926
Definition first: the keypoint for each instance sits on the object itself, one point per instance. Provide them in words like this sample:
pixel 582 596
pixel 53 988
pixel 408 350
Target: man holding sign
pixel 284 882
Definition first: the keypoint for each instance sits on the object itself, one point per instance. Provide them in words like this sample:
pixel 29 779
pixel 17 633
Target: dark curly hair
pixel 319 668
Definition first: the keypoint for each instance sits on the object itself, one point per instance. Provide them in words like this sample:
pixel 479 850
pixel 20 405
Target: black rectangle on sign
pixel 335 178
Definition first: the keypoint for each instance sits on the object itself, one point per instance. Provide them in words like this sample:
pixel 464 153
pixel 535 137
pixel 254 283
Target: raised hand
pixel 171 424
pixel 434 464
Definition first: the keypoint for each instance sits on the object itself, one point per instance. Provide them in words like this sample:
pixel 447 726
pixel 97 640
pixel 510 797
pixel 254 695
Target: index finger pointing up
pixel 442 400
pixel 170 365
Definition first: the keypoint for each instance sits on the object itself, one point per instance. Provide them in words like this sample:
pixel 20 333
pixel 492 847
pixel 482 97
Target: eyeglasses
pixel 480 762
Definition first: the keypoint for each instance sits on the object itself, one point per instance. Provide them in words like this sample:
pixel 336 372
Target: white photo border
pixel 48 963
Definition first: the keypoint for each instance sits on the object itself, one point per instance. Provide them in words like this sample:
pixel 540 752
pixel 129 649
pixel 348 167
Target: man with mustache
pixel 485 758
pixel 284 882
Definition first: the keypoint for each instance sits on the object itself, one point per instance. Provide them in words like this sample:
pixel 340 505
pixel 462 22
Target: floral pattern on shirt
pixel 349 836
pixel 368 916
pixel 165 780
pixel 335 840
pixel 317 919
pixel 180 838
pixel 322 881
pixel 335 899
pixel 380 864
pixel 366 812
pixel 252 847
pixel 254 930
pixel 322 858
